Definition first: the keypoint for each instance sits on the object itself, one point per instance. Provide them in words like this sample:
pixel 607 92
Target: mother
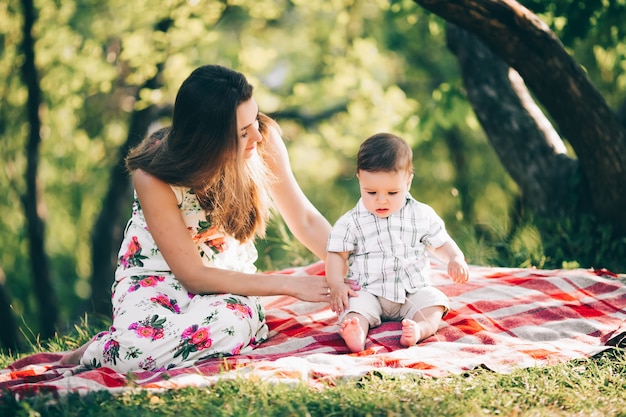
pixel 186 287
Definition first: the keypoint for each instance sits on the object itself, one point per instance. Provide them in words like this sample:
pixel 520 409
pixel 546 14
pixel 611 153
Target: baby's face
pixel 384 193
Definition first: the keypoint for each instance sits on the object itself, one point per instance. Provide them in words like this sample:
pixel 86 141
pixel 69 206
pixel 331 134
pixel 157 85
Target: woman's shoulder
pixel 143 179
pixel 145 182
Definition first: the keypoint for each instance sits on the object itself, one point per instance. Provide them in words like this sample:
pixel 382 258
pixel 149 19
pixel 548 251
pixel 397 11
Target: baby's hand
pixel 339 297
pixel 458 270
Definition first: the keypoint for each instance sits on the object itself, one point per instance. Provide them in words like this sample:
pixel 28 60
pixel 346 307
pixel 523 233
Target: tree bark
pixel 33 207
pixel 580 113
pixel 9 335
pixel 523 138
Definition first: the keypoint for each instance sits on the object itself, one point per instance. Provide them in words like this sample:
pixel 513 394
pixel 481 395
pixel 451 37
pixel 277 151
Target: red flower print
pixel 144 281
pixel 132 256
pixel 148 282
pixel 199 337
pixel 194 339
pixel 164 301
pixel 238 307
pixel 133 246
pixel 149 328
pixel 210 236
pixel 237 349
pixel 189 331
pixel 218 245
pixel 144 331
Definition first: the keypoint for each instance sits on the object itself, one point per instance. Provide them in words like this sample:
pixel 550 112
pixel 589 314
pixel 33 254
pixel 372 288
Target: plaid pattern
pixel 502 319
pixel 388 255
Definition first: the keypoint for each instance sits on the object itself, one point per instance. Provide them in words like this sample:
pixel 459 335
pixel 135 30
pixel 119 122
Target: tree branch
pixel 523 138
pixel 583 117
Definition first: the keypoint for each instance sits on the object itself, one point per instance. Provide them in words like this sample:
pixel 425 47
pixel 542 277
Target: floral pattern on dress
pixel 194 339
pixel 133 256
pixel 164 301
pixel 149 328
pixel 132 352
pixel 260 312
pixel 205 232
pixel 242 310
pixel 111 351
pixel 148 364
pixel 157 323
pixel 140 281
pixel 237 349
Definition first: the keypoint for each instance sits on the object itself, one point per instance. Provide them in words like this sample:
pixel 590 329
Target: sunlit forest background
pixel 331 72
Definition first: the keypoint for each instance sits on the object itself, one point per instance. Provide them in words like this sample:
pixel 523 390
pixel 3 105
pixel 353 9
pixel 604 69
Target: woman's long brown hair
pixel 200 150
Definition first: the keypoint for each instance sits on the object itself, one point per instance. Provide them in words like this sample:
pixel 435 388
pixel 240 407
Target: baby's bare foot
pixel 353 334
pixel 411 333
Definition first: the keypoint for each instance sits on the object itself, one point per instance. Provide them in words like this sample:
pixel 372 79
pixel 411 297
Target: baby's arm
pixel 335 274
pixel 452 254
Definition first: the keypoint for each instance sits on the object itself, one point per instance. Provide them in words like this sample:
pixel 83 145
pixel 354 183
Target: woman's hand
pixel 311 288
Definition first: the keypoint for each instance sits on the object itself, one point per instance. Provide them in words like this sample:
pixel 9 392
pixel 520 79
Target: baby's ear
pixel 410 180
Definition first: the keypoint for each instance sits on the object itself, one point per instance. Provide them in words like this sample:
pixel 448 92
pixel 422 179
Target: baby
pixel 383 240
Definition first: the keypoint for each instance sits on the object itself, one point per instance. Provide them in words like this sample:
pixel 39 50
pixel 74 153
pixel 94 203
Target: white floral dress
pixel 157 324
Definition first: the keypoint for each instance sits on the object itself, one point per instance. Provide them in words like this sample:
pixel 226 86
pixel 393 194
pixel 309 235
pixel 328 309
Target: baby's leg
pixel 354 328
pixel 424 324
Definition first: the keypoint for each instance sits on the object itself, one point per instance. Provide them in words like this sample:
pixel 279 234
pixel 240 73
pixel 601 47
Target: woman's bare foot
pixel 411 333
pixel 74 357
pixel 353 334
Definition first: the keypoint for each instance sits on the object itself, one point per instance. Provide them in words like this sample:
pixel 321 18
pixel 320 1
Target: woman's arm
pixel 181 254
pixel 303 219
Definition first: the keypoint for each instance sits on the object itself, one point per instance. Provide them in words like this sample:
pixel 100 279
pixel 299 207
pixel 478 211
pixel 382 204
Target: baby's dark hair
pixel 385 152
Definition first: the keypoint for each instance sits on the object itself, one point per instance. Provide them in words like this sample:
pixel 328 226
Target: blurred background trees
pixel 332 73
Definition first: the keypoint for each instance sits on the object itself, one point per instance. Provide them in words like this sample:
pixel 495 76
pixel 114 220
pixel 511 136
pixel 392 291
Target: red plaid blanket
pixel 502 319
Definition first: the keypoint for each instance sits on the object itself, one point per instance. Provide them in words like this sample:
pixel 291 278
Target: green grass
pixel 593 387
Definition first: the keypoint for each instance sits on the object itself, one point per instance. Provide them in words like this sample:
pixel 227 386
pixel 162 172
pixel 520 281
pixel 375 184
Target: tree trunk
pixel 9 335
pixel 523 138
pixel 581 114
pixel 33 208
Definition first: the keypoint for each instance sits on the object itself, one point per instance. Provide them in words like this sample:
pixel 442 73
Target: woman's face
pixel 248 127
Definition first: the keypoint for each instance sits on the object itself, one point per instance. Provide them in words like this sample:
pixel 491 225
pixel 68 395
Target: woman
pixel 185 287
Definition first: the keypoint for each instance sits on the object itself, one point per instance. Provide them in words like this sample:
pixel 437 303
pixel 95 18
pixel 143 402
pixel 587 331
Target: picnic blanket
pixel 501 319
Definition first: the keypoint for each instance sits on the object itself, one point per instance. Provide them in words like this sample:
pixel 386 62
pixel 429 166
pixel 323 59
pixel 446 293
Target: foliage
pixel 331 72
